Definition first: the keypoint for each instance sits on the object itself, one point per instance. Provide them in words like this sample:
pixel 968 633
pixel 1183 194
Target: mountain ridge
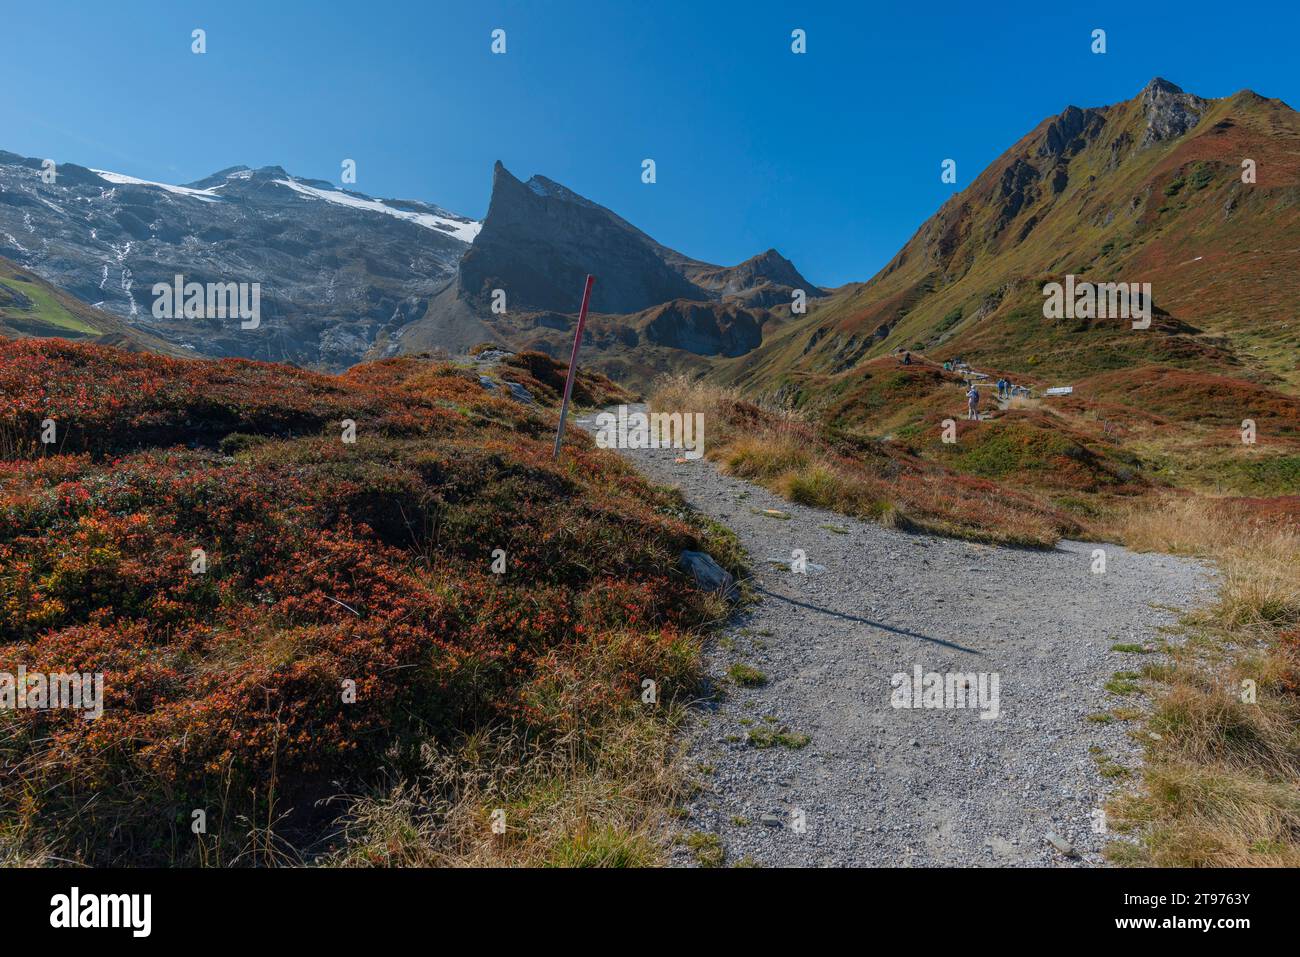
pixel 654 309
pixel 1121 189
pixel 336 267
pixel 1137 189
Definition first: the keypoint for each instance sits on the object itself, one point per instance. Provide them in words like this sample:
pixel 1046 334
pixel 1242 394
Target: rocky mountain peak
pixel 1169 112
pixel 772 267
pixel 220 176
pixel 1159 84
pixel 1070 132
pixel 540 239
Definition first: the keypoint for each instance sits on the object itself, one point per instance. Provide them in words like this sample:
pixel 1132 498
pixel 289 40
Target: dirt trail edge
pixel 883 785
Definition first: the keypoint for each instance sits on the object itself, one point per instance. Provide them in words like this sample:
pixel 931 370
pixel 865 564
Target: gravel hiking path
pixel 884 786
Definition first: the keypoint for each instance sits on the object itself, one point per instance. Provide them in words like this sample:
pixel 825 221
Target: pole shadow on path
pixel 866 621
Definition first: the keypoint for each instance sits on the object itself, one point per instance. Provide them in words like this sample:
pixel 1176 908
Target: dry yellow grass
pixel 1180 525
pixel 781 451
pixel 1222 782
pixel 766 457
pixel 1024 402
pixel 500 800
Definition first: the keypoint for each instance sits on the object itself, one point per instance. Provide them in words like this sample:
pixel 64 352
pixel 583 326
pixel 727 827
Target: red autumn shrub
pixel 347 604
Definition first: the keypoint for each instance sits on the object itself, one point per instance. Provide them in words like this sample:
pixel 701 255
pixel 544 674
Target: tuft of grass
pixel 598 799
pixel 815 485
pixel 746 676
pixel 1123 683
pixel 707 849
pixel 766 736
pixel 605 846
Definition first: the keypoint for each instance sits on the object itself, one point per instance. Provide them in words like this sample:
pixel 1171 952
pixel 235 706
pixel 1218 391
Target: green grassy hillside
pixel 1097 194
pixel 32 308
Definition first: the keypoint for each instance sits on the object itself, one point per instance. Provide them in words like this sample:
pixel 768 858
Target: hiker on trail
pixel 1002 388
pixel 947 366
pixel 973 402
pixel 907 358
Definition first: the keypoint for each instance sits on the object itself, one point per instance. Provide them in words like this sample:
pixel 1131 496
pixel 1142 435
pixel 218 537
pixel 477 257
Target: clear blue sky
pixel 833 157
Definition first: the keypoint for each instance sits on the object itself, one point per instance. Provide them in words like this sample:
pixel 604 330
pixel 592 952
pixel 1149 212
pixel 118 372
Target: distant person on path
pixel 973 402
pixel 907 358
pixel 947 366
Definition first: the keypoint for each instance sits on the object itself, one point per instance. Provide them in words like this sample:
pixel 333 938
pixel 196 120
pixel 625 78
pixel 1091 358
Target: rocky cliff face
pixel 1169 112
pixel 540 240
pixel 32 307
pixel 538 243
pixel 706 329
pixel 336 268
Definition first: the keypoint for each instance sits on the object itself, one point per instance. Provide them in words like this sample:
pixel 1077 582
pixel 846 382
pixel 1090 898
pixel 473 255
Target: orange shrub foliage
pixel 326 562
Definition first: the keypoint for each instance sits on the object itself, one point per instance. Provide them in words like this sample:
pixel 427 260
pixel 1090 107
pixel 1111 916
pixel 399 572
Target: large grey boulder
pixel 708 574
pixel 519 393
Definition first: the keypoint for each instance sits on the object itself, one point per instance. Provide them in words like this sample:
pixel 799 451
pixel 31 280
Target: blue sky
pixel 832 157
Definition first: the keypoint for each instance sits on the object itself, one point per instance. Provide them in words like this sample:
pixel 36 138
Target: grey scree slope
pixel 880 786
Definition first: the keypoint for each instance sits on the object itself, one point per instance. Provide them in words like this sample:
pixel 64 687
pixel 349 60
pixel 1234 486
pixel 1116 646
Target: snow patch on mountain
pixel 464 231
pixel 121 179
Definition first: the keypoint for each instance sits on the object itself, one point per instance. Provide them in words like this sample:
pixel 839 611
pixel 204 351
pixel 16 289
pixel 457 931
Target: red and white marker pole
pixel 573 365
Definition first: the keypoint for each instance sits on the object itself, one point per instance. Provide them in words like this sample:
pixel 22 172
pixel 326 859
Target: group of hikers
pixel 1005 391
pixel 1006 388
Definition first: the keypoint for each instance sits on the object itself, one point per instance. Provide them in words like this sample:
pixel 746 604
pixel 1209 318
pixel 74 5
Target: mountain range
pixel 344 276
pixel 336 268
pixel 1152 189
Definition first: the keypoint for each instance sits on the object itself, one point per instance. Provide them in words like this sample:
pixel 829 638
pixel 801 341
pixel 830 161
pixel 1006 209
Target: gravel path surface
pixel 883 785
